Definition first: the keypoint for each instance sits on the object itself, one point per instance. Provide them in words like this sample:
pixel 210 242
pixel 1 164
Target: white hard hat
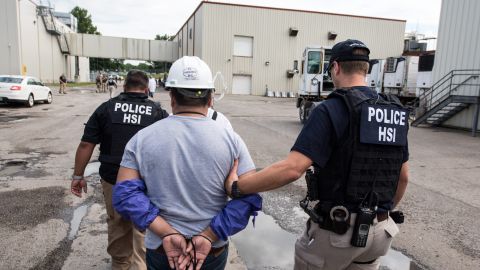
pixel 190 72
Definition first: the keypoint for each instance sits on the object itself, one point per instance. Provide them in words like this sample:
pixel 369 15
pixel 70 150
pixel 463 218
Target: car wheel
pixel 49 98
pixel 30 101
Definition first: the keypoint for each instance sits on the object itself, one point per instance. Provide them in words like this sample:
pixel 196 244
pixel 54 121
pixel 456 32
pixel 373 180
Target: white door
pixel 33 88
pixel 242 85
pixel 42 90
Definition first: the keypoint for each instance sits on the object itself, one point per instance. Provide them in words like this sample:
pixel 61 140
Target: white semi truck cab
pixel 315 84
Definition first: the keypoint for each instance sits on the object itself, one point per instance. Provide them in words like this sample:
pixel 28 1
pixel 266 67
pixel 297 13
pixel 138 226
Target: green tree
pixel 85 24
pixel 164 37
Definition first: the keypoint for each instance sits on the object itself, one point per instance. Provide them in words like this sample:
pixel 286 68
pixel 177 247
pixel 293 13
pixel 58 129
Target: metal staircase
pixel 452 94
pixel 51 26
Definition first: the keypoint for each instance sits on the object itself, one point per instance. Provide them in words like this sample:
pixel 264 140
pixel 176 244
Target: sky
pixel 146 18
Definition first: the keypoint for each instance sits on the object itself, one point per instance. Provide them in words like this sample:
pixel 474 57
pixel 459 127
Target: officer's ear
pixel 336 68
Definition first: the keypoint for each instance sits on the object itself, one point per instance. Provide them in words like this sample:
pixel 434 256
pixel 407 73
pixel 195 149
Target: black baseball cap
pixel 193 93
pixel 343 52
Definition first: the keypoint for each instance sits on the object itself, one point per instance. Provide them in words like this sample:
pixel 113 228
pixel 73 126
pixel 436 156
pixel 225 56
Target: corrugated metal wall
pixel 270 31
pixel 458 47
pixel 9 38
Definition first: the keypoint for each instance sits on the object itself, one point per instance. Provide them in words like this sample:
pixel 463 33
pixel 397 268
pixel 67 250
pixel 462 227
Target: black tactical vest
pixel 126 115
pixel 369 157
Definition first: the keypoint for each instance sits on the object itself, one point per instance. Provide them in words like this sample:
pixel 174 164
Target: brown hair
pixel 353 67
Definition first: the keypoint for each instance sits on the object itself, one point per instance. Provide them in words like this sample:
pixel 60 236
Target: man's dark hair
pixel 183 100
pixel 352 67
pixel 136 80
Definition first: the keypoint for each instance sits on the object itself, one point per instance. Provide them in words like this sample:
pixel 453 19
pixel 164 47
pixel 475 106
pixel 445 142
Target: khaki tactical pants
pixel 319 249
pixel 125 242
pixel 63 86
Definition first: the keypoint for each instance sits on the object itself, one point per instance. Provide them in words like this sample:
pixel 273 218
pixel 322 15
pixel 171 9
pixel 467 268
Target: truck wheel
pixel 304 111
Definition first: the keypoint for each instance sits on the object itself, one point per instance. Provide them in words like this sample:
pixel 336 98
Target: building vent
pixel 332 35
pixel 293 31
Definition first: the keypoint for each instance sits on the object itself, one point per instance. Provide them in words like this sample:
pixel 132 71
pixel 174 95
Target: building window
pixel 191 33
pixel 391 65
pixel 295 65
pixel 243 46
pixel 180 43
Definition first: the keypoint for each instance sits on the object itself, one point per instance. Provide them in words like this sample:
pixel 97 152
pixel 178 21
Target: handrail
pixel 446 78
pixel 444 94
pixel 446 87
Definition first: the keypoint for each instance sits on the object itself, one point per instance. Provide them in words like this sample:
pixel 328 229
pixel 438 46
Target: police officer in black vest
pixel 112 125
pixel 356 142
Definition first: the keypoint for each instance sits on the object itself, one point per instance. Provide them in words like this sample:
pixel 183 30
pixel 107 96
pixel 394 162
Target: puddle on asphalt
pixel 12 167
pixel 395 260
pixel 92 168
pixel 78 215
pixel 4 118
pixel 268 246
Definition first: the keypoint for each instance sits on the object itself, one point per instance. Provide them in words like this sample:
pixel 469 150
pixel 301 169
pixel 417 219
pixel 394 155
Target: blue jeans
pixel 157 261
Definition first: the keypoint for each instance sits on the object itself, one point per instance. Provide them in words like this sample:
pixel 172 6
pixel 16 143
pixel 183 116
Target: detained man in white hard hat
pixel 174 187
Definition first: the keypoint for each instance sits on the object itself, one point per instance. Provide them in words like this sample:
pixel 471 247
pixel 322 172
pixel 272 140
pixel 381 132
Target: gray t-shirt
pixel 184 162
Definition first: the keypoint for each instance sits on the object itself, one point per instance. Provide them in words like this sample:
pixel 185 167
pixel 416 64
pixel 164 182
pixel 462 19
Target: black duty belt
pixel 327 223
pixel 213 251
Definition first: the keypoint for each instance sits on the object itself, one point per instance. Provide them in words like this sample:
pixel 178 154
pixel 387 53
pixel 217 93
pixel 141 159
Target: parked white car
pixel 23 89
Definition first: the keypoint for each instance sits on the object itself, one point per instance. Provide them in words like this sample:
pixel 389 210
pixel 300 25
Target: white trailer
pixel 375 74
pixel 425 67
pixel 400 77
pixel 315 84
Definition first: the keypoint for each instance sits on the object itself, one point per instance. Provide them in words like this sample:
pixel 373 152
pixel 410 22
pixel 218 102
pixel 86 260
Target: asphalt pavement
pixel 43 226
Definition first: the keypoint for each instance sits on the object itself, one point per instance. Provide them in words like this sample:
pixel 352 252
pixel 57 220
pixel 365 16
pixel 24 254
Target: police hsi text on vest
pixel 132 113
pixel 387 116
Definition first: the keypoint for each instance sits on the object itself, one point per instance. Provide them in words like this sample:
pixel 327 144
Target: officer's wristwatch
pixel 235 190
pixel 77 177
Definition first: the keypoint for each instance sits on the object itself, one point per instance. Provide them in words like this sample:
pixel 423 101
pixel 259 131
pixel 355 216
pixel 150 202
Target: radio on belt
pixel 382 124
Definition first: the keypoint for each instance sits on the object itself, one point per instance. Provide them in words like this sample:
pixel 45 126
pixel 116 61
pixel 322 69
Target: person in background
pixel 152 86
pixel 63 84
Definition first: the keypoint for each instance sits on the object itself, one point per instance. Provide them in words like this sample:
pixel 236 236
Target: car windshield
pixel 10 80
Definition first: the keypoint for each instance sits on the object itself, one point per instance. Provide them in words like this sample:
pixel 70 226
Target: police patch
pixel 380 124
pixel 131 113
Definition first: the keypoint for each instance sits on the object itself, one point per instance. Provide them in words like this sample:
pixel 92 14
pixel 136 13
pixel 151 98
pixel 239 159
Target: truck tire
pixel 304 111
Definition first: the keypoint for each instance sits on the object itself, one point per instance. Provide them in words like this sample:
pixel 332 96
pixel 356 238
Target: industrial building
pixel 454 99
pixel 33 43
pixel 458 49
pixel 259 48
